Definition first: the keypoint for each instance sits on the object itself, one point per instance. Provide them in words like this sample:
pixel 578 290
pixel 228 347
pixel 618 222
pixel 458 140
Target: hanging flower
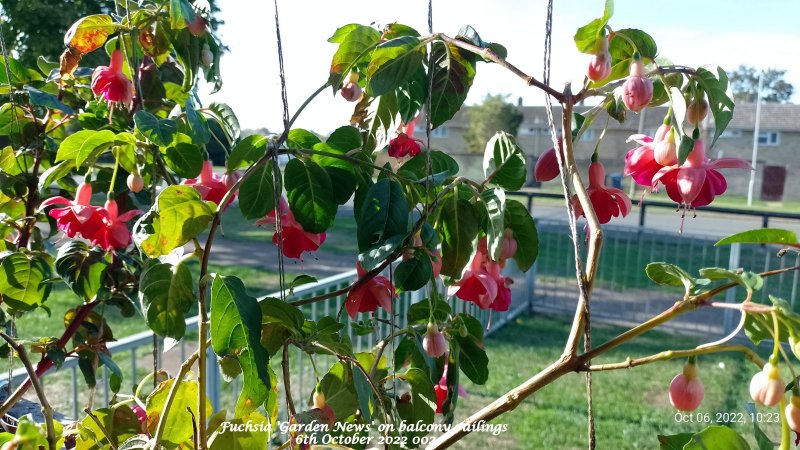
pixel 686 391
pixel 638 89
pixel 607 202
pixel 600 64
pixel 696 111
pixel 665 152
pixel 197 26
pixel 135 183
pixel 509 245
pixel 294 239
pixel 110 83
pixel 546 167
pixel 210 186
pixel 766 387
pixel 78 217
pixel 440 389
pixel 434 343
pixel 403 146
pixel 367 297
pixel 792 411
pixel 697 181
pixel 115 233
pixel 482 282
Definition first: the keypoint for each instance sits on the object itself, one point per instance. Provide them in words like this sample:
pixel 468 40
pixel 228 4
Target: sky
pixel 727 33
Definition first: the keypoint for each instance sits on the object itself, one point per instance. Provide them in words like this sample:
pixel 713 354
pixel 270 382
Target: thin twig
pixel 672 354
pixel 287 380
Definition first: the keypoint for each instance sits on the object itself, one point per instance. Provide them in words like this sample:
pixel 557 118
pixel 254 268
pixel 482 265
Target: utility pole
pixel 756 132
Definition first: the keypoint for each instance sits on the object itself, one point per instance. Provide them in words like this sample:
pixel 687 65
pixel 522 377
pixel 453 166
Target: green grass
pixel 631 406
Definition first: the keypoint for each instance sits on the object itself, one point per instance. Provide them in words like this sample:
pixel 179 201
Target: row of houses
pixel 778 137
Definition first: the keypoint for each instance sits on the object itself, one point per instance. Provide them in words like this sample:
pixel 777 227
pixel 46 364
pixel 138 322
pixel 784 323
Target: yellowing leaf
pixel 90 32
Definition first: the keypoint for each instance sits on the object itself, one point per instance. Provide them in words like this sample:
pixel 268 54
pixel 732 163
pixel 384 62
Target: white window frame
pixel 731 133
pixel 771 138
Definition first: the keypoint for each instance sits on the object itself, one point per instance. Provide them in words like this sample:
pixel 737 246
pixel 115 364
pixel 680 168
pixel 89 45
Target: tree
pixel 491 116
pixel 744 83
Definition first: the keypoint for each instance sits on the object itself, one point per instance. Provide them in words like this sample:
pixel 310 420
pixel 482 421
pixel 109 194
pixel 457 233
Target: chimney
pixel 519 102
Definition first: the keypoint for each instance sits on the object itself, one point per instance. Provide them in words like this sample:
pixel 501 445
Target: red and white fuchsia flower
pixel 367 297
pixel 600 64
pixel 482 283
pixel 403 145
pixel 113 85
pixel 767 387
pixel 638 89
pixel 640 162
pixel 607 202
pixel 294 239
pixel 686 391
pixel 210 186
pixel 434 343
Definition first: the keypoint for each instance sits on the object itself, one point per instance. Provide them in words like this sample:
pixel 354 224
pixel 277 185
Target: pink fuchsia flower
pixel 793 413
pixel 546 167
pixel 230 179
pixel 509 246
pixel 600 64
pixel 638 89
pixel 110 83
pixel 141 414
pixel 403 145
pixel 440 389
pixel 294 239
pixel 78 217
pixel 319 402
pixel 210 186
pixel 197 26
pixel 115 234
pixel 434 343
pixel 766 387
pixel 686 391
pixel 697 181
pixel 367 297
pixel 351 91
pixel 607 202
pixel 640 162
pixel 482 284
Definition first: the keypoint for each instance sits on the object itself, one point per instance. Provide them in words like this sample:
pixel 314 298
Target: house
pixel 779 142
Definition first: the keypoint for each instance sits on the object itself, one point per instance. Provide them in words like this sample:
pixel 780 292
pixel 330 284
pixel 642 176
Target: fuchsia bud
pixel 686 390
pixel 351 91
pixel 509 245
pixel 546 167
pixel 766 387
pixel 696 111
pixel 666 150
pixel 135 183
pixel 197 26
pixel 600 64
pixel 434 343
pixel 638 89
pixel 230 179
pixel 793 413
pixel 319 402
pixel 141 414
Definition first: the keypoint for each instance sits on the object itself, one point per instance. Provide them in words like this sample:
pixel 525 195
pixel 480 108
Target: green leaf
pixel 504 162
pixel 115 376
pixel 55 173
pixel 422 408
pixel 519 220
pixel 341 172
pixel 622 52
pixel 414 273
pixel 71 146
pixel 763 441
pixel 180 14
pixel 373 257
pixel 420 312
pixel 716 436
pixel 121 423
pixel 95 146
pixel 588 36
pixel 443 166
pixel 82 268
pixel 125 151
pixel 716 87
pixel 200 133
pixel 167 294
pixel 458 224
pixel 42 98
pixel 382 120
pixel 300 280
pixel 227 118
pixel 384 214
pixel 185 159
pixel 366 400
pixel 669 275
pixel 393 63
pixel 355 43
pixel 257 193
pixel 453 72
pixel 159 131
pixel 762 236
pixel 674 442
pixel 22 281
pixel 339 389
pixel 473 359
pixel 494 201
pixel 749 280
pixel 300 138
pixel 310 194
pixel 236 331
pixel 687 144
pixel 247 151
pixel 180 216
pixel 178 426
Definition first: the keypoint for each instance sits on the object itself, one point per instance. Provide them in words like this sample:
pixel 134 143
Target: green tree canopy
pixel 744 83
pixel 493 115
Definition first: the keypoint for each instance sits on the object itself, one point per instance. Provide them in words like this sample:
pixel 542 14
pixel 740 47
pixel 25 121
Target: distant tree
pixel 744 83
pixel 36 27
pixel 493 115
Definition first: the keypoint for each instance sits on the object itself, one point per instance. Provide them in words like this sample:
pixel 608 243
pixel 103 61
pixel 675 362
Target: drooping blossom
pixel 637 91
pixel 546 167
pixel 509 246
pixel 112 84
pixel 440 389
pixel 367 297
pixel 230 179
pixel 79 216
pixel 600 64
pixel 403 145
pixel 767 387
pixel 319 402
pixel 206 56
pixel 294 239
pixel 697 181
pixel 141 413
pixel 114 234
pixel 607 202
pixel 792 411
pixel 135 183
pixel 434 343
pixel 482 284
pixel 640 162
pixel 210 186
pixel 686 391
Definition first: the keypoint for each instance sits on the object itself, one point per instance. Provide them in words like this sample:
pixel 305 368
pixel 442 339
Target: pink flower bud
pixel 206 57
pixel 319 402
pixel 686 390
pixel 696 111
pixel 509 245
pixel 141 414
pixel 600 64
pixel 793 413
pixel 638 89
pixel 83 195
pixel 351 92
pixel 434 343
pixel 197 26
pixel 135 183
pixel 546 167
pixel 766 387
pixel 666 151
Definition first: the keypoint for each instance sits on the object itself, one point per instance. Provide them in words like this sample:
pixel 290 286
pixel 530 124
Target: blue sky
pixel 726 33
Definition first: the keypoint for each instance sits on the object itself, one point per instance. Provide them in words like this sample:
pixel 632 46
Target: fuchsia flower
pixel 766 387
pixel 697 181
pixel 115 233
pixel 607 202
pixel 546 167
pixel 351 91
pixel 434 343
pixel 79 217
pixel 792 411
pixel 210 186
pixel 600 64
pixel 665 151
pixel 440 389
pixel 294 239
pixel 482 282
pixel 638 89
pixel 368 296
pixel 110 83
pixel 403 145
pixel 686 391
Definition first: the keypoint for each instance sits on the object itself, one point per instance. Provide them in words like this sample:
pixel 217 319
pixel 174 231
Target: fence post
pixel 730 296
pixel 530 286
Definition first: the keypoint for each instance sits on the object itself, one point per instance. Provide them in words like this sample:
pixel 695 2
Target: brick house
pixel 779 141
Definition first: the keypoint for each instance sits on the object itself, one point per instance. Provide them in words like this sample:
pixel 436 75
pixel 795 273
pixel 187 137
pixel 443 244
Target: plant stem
pixel 102 428
pixel 287 381
pixel 672 354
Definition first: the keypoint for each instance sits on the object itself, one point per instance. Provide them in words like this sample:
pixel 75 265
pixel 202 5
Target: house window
pixel 528 131
pixel 769 138
pixel 730 133
pixel 441 132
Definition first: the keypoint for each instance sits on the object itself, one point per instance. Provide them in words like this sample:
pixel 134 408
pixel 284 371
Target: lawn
pixel 631 406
